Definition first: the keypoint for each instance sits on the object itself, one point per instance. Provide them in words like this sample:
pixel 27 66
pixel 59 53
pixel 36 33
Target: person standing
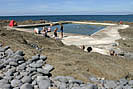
pixel 55 32
pixel 61 29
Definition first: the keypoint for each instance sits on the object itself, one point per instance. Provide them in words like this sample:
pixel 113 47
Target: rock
pixel 64 79
pixel 26 79
pixel 78 88
pixel 43 58
pixel 36 65
pixel 26 86
pixel 16 83
pixel 130 82
pixel 48 67
pixel 29 61
pixel 36 87
pixel 13 64
pixel 63 86
pixel 9 52
pixel 34 82
pixel 1 45
pixel 9 73
pixel 6 48
pixel 16 74
pixel 20 62
pixel 29 69
pixel 123 81
pixel 2 55
pixel 127 87
pixel 119 87
pixel 93 79
pixel 40 62
pixel 16 88
pixel 90 86
pixel 2 50
pixel 24 73
pixel 5 86
pixel 8 67
pixel 10 60
pixel 21 67
pixel 19 52
pixel 44 84
pixel 43 71
pixel 1 66
pixel 18 58
pixel 35 58
pixel 110 84
pixel 4 81
pixel 19 77
pixel 39 78
pixel 9 78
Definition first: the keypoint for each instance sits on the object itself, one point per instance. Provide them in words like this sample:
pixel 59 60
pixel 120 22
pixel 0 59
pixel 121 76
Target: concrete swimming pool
pixel 83 29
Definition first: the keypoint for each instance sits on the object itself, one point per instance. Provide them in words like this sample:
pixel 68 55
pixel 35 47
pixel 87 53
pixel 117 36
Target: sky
pixel 65 7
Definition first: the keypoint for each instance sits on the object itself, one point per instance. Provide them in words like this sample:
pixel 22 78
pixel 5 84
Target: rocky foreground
pixel 35 73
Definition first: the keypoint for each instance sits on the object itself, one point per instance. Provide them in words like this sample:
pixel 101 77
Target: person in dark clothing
pixel 55 32
pixel 61 29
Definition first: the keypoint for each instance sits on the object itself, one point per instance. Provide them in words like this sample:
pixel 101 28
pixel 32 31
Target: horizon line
pixel 58 15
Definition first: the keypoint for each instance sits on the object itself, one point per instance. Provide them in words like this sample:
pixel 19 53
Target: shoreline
pixel 100 41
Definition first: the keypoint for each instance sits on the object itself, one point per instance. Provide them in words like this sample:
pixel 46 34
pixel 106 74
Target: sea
pixel 73 28
pixel 114 18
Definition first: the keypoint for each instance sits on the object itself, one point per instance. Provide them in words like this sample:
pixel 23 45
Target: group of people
pixel 61 31
pixel 45 30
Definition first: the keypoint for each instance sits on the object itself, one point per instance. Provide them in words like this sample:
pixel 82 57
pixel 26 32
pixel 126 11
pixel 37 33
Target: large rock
pixel 39 78
pixel 26 86
pixel 19 52
pixel 36 65
pixel 4 81
pixel 44 84
pixel 26 79
pixel 4 49
pixel 35 58
pixel 130 82
pixel 48 67
pixel 5 86
pixel 21 67
pixel 9 52
pixel 110 84
pixel 29 69
pixel 43 58
pixel 18 58
pixel 16 83
pixel 13 64
pixel 10 72
pixel 43 71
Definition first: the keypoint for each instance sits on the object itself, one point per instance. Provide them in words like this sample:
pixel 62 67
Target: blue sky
pixel 65 7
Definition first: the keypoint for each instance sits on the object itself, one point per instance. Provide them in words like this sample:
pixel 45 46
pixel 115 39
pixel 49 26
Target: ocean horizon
pixel 114 18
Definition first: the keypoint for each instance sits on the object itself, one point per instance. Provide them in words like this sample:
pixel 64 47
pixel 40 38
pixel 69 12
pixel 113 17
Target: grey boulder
pixel 26 86
pixel 26 79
